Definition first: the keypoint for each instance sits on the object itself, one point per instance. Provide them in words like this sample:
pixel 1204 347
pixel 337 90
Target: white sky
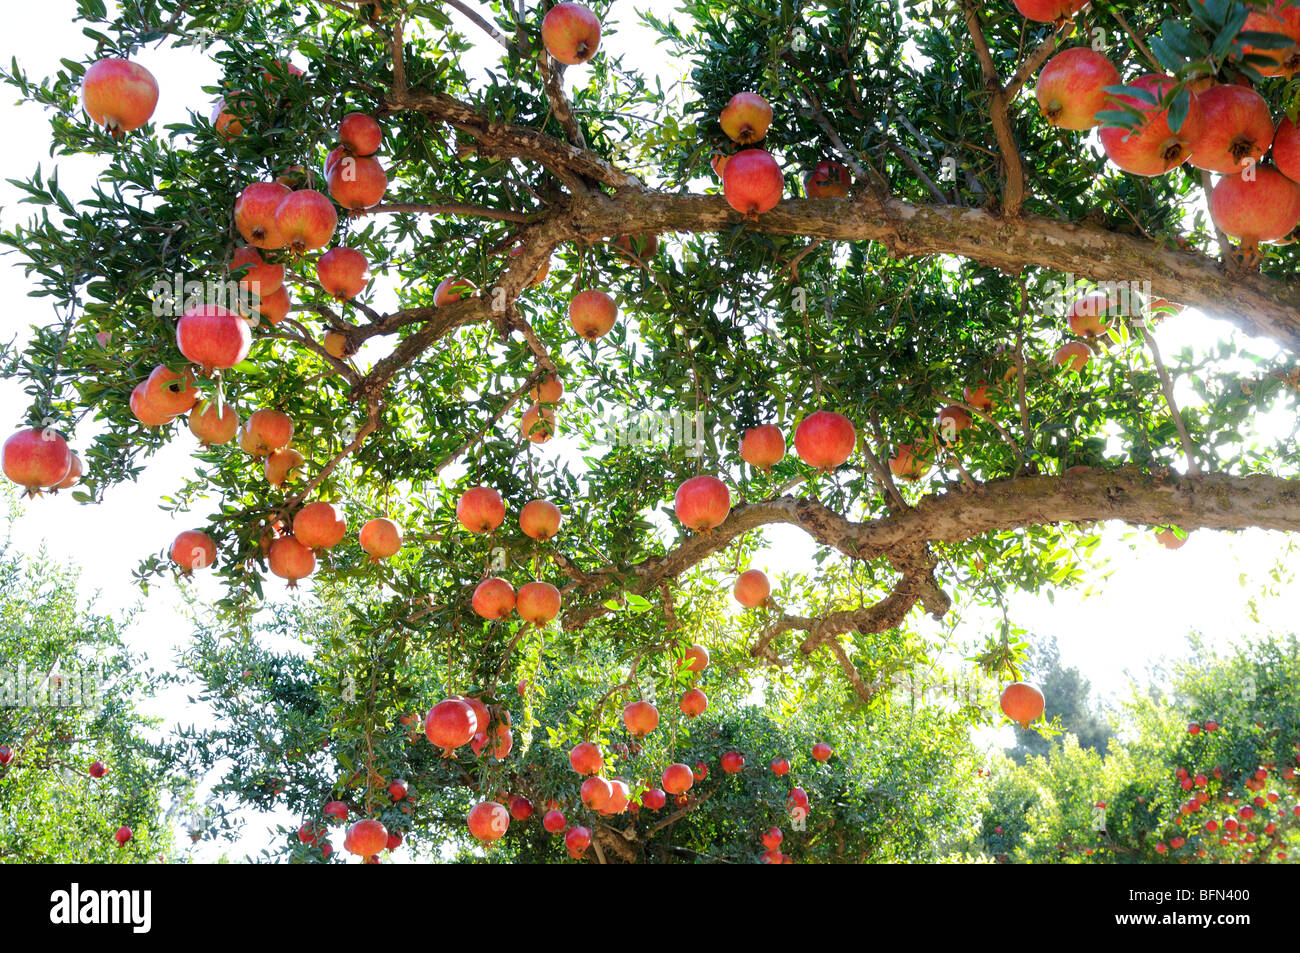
pixel 1145 610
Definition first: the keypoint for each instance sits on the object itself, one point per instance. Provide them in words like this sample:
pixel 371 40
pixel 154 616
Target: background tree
pixel 935 281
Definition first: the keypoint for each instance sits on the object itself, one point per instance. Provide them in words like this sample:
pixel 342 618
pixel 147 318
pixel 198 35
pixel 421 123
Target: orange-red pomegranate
pixel 571 33
pixel 540 519
pixel 677 779
pixel 494 598
pixel 119 95
pixel 592 314
pixel 36 459
pixel 702 502
pixel 537 602
pixel 357 182
pixel 1153 148
pixel 693 703
pixel 1263 209
pixel 825 440
pixel 1022 703
pixel 697 659
pixel 265 431
pixel 212 428
pixel 450 724
pixel 255 214
pixel 763 446
pixel 320 525
pixel 752 182
pixel 360 134
pixel 733 762
pixel 291 560
pixel 538 423
pixel 380 538
pixel 1238 129
pixel 641 718
pixel 586 758
pixel 193 549
pixel 488 821
pixel 366 838
pixel 752 588
pixel 212 337
pixel 746 118
pixel 480 509
pixel 305 219
pixel 1072 87
pixel 827 180
pixel 343 272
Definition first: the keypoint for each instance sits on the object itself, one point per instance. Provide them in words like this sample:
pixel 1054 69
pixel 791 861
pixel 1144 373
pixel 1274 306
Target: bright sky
pixel 1152 600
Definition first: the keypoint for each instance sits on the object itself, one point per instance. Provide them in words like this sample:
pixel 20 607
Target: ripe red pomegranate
pixel 538 424
pixel 752 182
pixel 540 519
pixel 1022 703
pixel 521 809
pixel 677 779
pixel 745 118
pixel 825 440
pixel 488 821
pixel 212 428
pixel 596 793
pixel 1049 11
pixel 193 550
pixel 537 602
pixel 1071 87
pixel 1238 129
pixel 702 502
pixel 119 95
pixel 451 290
pixel 571 33
pixel 337 810
pixel 553 821
pixel 752 588
pixel 122 836
pixel 265 431
pixel 978 396
pixel 97 769
pixel 75 473
pixel 480 509
pixel 909 463
pixel 1087 314
pixel 360 134
pixel 780 767
pixel 170 393
pixel 1169 539
pixel 578 839
pixel 772 838
pixel 586 758
pixel 822 751
pixel 619 793
pixel 827 180
pixel 548 390
pixel 1073 357
pixel 6 755
pixel 952 420
pixel 1153 148
pixel 693 703
pixel 1263 209
pixel 380 538
pixel 641 718
pixel 763 447
pixel 592 314
pixel 494 598
pixel 356 182
pixel 306 219
pixel 397 790
pixel 212 337
pixel 312 834
pixel 366 838
pixel 450 724
pixel 320 525
pixel 696 659
pixel 394 840
pixel 291 560
pixel 343 272
pixel 798 798
pixel 482 717
pixel 258 277
pixel 272 307
pixel 1282 17
pixel 654 799
pixel 733 762
pixel 36 459
pixel 255 214
pixel 1286 149
pixel 229 113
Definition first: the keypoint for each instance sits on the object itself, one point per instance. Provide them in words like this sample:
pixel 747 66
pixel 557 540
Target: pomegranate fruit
pixel 1153 148
pixel 1283 17
pixel 1087 315
pixel 978 396
pixel 36 459
pixel 122 836
pixel 752 588
pixel 521 809
pixel 169 392
pixel 763 447
pixel 380 538
pixel 320 525
pixel 542 272
pixel 677 779
pixel 343 272
pixel 571 33
pixel 451 290
pixel 255 214
pixel 366 838
pixel 641 718
pixel 702 502
pixel 360 134
pixel 654 799
pixel 1238 129
pixel 1263 209
pixel 450 724
pixel 909 463
pixel 553 821
pixel 822 751
pixel 1286 149
pixel 118 95
pixel 1072 88
pixel 752 182
pixel 592 314
pixel 825 440
pixel 75 473
pixel 1049 11
pixel 274 307
pixel 827 180
pixel 356 182
pixel 480 509
pixel 733 762
pixel 144 411
pixel 1169 539
pixel 619 793
pixel 637 247
pixel 212 337
pixel 696 659
pixel 1073 357
pixel 488 821
pixel 772 838
pixel 265 431
pixel 258 276
pixel 595 793
pixel 952 420
pixel 537 602
pixel 548 390
pixel 213 428
pixel 337 810
pixel 291 560
pixel 537 424
pixel 494 598
pixel 193 549
pixel 336 344
pixel 305 219
pixel 1022 703
pixel 586 758
pixel 780 767
pixel 693 703
pixel 540 519
pixel 577 839
pixel 745 118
